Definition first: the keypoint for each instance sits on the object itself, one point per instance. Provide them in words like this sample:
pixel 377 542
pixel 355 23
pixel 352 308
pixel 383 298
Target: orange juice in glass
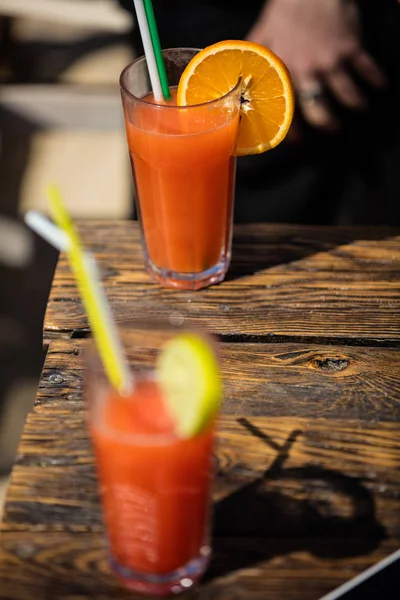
pixel 155 486
pixel 183 164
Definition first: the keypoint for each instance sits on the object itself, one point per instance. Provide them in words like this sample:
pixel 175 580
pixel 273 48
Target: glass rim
pixel 174 323
pixel 138 100
pixel 157 439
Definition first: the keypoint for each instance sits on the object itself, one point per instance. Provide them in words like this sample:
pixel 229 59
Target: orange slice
pixel 267 90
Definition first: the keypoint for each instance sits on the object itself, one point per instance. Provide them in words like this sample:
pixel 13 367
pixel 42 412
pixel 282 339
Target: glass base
pixel 189 281
pixel 173 583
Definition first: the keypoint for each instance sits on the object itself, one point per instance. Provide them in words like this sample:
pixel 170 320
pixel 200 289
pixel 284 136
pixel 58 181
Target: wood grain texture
pixel 266 379
pixel 53 482
pixel 68 566
pixel 285 281
pixel 297 508
pixel 296 498
pixel 307 488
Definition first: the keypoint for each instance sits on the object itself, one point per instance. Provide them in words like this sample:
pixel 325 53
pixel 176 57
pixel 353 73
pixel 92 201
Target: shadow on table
pixel 258 521
pixel 256 248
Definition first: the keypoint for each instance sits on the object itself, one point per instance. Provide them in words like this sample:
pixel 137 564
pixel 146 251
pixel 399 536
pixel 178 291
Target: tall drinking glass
pixel 183 168
pixel 155 487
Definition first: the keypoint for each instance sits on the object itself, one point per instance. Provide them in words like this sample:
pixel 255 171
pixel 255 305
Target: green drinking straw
pixel 155 40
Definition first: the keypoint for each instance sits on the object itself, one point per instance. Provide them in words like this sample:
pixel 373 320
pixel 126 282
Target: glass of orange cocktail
pixel 154 477
pixel 183 164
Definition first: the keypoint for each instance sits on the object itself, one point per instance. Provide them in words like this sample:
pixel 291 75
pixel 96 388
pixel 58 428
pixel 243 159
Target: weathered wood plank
pixel 321 308
pixel 264 379
pixel 307 490
pixel 263 246
pixel 295 502
pixel 54 483
pixel 284 282
pixel 67 566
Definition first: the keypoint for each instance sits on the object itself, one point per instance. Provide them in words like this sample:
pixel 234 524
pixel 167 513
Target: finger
pixel 256 34
pixel 369 70
pixel 345 89
pixel 319 114
pixel 316 110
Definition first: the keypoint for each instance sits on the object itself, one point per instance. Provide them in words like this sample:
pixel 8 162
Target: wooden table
pixel 308 485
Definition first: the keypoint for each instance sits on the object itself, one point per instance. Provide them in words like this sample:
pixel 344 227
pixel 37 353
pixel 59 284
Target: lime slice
pixel 189 377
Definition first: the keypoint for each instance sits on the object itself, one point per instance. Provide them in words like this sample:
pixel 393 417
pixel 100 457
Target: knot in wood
pixel 25 550
pixel 332 364
pixel 56 378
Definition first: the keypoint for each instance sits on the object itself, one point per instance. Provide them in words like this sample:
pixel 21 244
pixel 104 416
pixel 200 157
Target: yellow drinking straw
pixel 94 300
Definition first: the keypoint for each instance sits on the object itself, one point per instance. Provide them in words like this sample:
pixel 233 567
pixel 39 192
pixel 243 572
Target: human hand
pixel 320 42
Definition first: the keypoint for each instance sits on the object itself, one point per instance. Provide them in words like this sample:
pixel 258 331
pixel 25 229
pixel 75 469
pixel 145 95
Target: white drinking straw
pixel 148 50
pixel 94 299
pixel 47 230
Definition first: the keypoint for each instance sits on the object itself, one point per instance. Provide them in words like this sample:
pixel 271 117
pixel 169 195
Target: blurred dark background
pixel 59 104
